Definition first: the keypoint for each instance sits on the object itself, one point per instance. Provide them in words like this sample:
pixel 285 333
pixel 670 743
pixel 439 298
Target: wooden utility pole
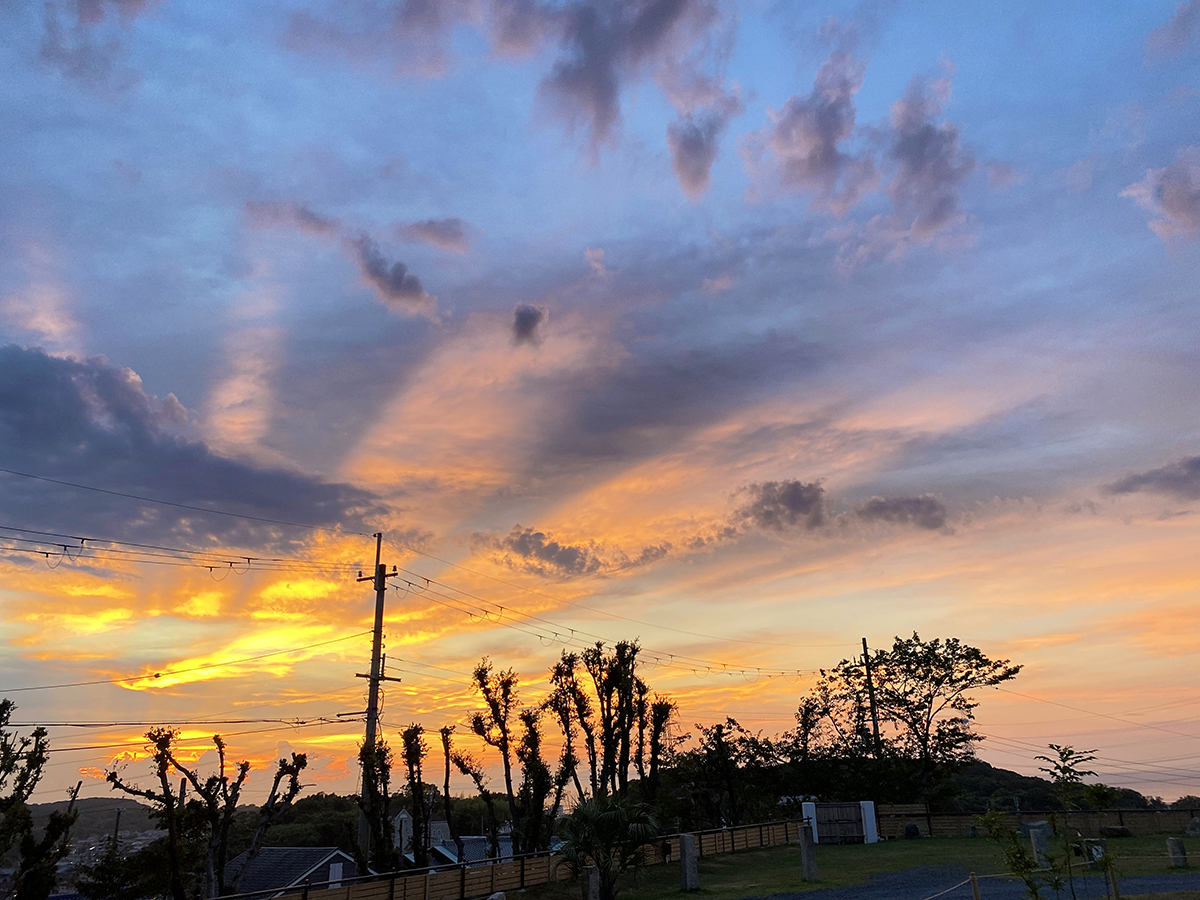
pixel 871 695
pixel 379 578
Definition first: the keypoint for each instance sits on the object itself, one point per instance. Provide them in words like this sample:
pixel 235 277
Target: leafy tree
pixel 924 700
pixel 22 759
pixel 38 870
pixel 607 832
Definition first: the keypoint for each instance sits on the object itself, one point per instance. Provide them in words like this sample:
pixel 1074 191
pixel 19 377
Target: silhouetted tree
pixel 376 806
pixel 446 732
pixel 494 726
pixel 415 751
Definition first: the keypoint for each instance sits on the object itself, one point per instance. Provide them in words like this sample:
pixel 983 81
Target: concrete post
pixel 808 853
pixel 1039 839
pixel 689 863
pixel 591 883
pixel 1178 854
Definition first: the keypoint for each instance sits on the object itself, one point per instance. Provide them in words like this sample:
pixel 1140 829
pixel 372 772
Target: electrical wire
pixel 1098 714
pixel 187 506
pixel 206 666
pixel 564 635
pixel 576 603
pixel 178 550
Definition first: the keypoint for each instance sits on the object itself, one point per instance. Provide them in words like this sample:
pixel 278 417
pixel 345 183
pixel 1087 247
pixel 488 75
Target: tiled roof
pixel 277 867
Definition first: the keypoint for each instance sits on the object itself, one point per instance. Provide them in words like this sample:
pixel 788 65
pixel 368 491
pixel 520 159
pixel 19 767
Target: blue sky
pixel 883 313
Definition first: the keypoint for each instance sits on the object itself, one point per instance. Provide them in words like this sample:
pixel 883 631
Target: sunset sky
pixel 747 330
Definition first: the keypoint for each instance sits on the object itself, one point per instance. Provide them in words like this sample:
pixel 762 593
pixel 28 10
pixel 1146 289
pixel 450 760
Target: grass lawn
pixel 776 870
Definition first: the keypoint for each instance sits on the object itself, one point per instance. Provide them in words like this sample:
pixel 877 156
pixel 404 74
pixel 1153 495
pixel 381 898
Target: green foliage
pixel 925 705
pixel 1018 855
pixel 607 832
pixel 117 877
pixel 376 805
pixel 22 759
pixel 1066 772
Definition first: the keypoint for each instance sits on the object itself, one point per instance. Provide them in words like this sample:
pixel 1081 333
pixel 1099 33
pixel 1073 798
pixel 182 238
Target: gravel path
pixel 924 881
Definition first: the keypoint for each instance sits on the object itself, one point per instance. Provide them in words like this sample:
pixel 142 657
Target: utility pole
pixel 379 579
pixel 871 696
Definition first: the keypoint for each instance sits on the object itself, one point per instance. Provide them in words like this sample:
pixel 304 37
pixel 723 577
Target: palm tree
pixel 608 833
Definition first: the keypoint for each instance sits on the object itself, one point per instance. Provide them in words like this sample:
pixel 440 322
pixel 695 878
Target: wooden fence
pixel 474 880
pixel 892 819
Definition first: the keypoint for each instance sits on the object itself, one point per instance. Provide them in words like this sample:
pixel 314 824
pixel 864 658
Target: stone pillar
pixel 808 853
pixel 689 862
pixel 1178 854
pixel 591 883
pixel 1039 839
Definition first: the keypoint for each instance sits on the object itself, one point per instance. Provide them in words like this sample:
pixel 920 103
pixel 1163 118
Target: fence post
pixel 689 868
pixel 808 853
pixel 975 886
pixel 591 883
pixel 1178 854
pixel 462 879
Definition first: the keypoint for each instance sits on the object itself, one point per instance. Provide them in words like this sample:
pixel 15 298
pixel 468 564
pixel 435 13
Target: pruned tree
pixel 37 871
pixel 446 732
pixel 276 805
pixel 376 804
pixel 168 805
pixel 570 706
pixel 219 795
pixel 495 725
pixel 415 751
pixel 471 767
pixel 617 688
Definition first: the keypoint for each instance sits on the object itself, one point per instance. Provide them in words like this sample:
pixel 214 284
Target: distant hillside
pixel 981 785
pixel 97 816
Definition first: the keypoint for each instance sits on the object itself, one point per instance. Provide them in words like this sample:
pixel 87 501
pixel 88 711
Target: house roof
pixel 279 867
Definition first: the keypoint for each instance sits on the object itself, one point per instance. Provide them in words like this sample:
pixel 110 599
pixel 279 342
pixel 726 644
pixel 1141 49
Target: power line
pixel 1093 713
pixel 187 506
pixel 167 674
pixel 576 603
pixel 560 636
pixel 316 720
pixel 178 550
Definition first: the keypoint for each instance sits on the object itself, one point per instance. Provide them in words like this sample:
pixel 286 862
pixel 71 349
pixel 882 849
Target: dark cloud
pixel 659 393
pixel 1173 194
pixel 932 163
pixel 1173 36
pixel 451 235
pixel 91 422
pixel 536 552
pixel 802 147
pixel 695 142
pixel 92 11
pixel 1180 480
pixel 269 213
pixel 606 44
pixel 783 505
pixel 526 320
pixel 398 288
pixel 95 62
pixel 925 511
